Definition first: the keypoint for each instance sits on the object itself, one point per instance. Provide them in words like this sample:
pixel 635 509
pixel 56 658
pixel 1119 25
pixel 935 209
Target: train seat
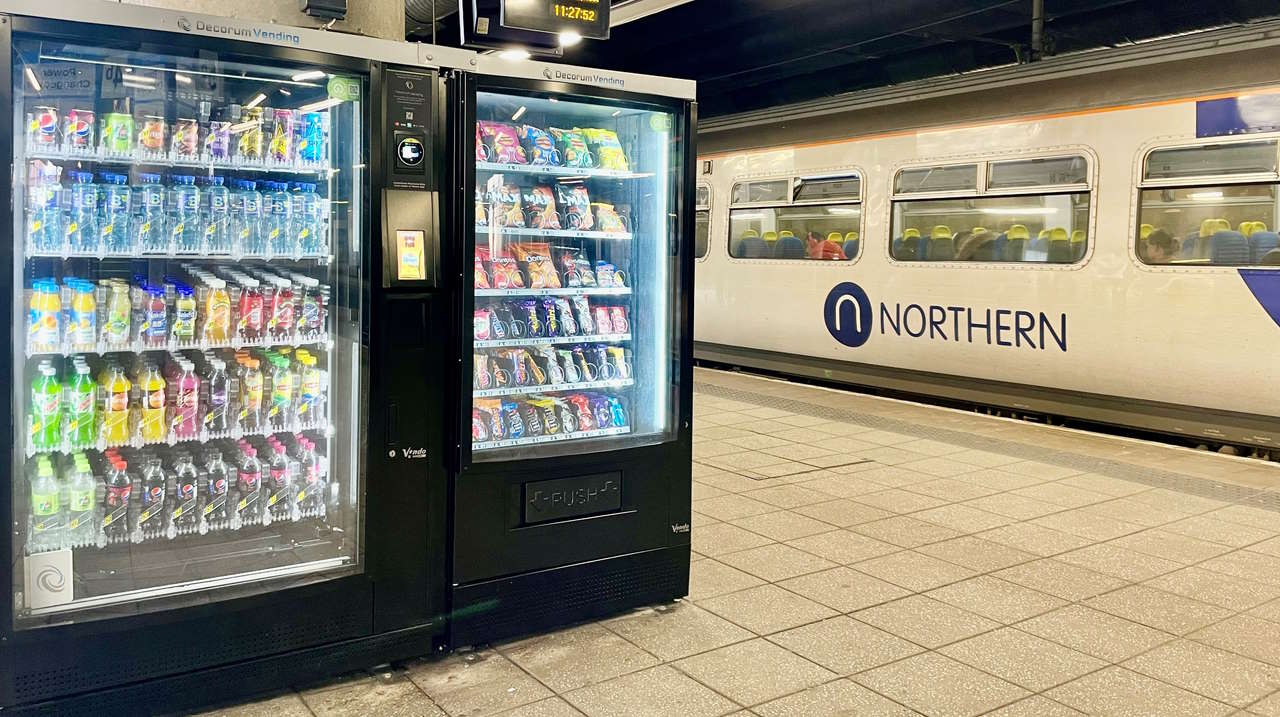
pixel 770 237
pixel 1039 246
pixel 941 246
pixel 789 247
pixel 1077 244
pixel 1016 240
pixel 1059 246
pixel 907 247
pixel 1002 241
pixel 850 246
pixel 751 246
pixel 1145 230
pixel 1262 241
pixel 1245 228
pixel 1229 248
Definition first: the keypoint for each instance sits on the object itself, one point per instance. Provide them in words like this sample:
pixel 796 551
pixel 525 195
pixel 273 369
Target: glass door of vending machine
pixel 576 303
pixel 187 326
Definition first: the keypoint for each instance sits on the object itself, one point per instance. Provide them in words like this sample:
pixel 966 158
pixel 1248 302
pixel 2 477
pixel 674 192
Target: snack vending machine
pixel 202 500
pixel 572 496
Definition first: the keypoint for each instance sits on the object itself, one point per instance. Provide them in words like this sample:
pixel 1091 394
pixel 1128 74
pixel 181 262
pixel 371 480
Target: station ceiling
pixel 749 54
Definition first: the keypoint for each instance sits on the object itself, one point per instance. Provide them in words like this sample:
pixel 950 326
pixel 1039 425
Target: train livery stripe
pixel 1265 285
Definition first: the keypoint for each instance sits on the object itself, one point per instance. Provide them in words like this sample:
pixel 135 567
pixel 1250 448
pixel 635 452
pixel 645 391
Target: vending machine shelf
pixel 552 388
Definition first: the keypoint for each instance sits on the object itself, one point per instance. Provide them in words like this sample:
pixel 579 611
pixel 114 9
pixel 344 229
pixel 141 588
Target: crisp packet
pixel 506 207
pixel 482 275
pixel 605 274
pixel 608 150
pixel 573 148
pixel 608 219
pixel 538 146
pixel 503 142
pixel 482 151
pixel 506 274
pixel 575 202
pixel 536 257
pixel 482 214
pixel 540 207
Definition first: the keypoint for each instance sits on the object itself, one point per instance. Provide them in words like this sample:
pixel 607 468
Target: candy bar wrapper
pixel 608 150
pixel 582 311
pixel 539 147
pixel 504 143
pixel 573 148
pixel 540 207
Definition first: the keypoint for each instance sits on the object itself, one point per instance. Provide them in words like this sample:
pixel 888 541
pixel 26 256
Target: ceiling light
pixel 514 55
pixel 285 92
pixel 138 81
pixel 1206 196
pixel 308 75
pixel 255 101
pixel 1016 211
pixel 519 113
pixel 181 78
pixel 31 79
pixel 617 112
pixel 321 105
pixel 569 38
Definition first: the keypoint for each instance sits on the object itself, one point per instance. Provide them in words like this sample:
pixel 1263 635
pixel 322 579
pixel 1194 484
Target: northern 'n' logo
pixel 848 314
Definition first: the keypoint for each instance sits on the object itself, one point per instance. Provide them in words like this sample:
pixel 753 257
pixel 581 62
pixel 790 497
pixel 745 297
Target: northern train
pixel 1091 236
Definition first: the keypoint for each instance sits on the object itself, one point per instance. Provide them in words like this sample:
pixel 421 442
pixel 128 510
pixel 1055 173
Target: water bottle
pixel 186 512
pixel 113 226
pixel 184 214
pixel 246 217
pixel 149 234
pixel 279 220
pixel 44 206
pixel 213 214
pixel 82 224
pixel 308 229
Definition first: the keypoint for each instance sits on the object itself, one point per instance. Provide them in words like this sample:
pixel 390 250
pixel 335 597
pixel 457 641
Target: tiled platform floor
pixel 856 556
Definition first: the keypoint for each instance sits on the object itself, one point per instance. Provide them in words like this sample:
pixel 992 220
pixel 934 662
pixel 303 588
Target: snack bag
pixel 547 408
pixel 573 148
pixel 479 426
pixel 482 214
pixel 582 312
pixel 608 220
pixel 565 314
pixel 503 142
pixel 538 146
pixel 549 318
pixel 540 208
pixel 482 275
pixel 564 262
pixel 618 319
pixel 608 150
pixel 536 258
pixel 586 276
pixel 506 274
pixel 482 152
pixel 576 204
pixel 506 206
pixel 603 324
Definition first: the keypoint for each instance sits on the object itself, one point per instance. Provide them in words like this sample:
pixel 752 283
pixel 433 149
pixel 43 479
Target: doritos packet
pixel 540 208
pixel 536 257
pixel 506 273
pixel 503 142
pixel 573 148
pixel 538 146
pixel 607 149
pixel 482 274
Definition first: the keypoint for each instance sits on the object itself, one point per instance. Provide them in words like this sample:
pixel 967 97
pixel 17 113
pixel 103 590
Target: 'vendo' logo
pixel 848 314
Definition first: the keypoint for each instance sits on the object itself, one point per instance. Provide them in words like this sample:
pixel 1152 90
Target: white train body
pixel 1186 347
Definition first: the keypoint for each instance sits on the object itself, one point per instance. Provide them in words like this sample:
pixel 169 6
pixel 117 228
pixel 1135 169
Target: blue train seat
pixel 1230 248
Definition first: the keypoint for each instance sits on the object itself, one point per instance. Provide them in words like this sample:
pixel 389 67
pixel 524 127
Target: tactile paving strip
pixel 1154 477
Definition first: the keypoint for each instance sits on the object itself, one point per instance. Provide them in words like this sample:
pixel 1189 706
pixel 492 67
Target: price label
pixel 589 18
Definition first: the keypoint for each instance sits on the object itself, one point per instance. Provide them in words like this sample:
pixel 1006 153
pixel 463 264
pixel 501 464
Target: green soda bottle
pixel 46 506
pixel 46 409
pixel 82 407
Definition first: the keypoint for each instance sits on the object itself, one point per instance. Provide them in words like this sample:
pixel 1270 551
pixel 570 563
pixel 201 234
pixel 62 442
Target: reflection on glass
pixel 817 232
pixel 1227 225
pixel 1048 228
pixel 946 178
pixel 1212 160
pixel 575 298
pixel 702 233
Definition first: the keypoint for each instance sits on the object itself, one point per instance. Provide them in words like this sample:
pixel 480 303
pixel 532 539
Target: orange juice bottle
pixel 153 428
pixel 217 312
pixel 115 412
pixel 46 315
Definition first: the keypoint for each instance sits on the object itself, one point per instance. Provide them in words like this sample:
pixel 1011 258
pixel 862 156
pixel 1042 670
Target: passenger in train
pixel 824 249
pixel 1159 247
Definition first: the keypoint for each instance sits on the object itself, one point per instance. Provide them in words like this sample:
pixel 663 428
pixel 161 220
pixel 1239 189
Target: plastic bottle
pixel 217 312
pixel 279 220
pixel 184 314
pixel 217 483
pixel 83 325
pixel 213 214
pixel 116 329
pixel 246 218
pixel 186 491
pixel 283 315
pixel 281 414
pixel 311 393
pixel 115 412
pixel 251 396
pixel 115 518
pixel 249 483
pixel 148 228
pixel 48 515
pixel 155 326
pixel 82 407
pixel 45 317
pixel 183 214
pixel 46 409
pixel 82 501
pixel 82 222
pixel 249 326
pixel 311 492
pixel 155 490
pixel 44 206
pixel 153 427
pixel 186 418
pixel 217 418
pixel 113 225
pixel 279 482
pixel 310 220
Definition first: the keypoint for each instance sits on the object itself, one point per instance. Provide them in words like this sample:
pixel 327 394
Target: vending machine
pixel 572 494
pixel 226 470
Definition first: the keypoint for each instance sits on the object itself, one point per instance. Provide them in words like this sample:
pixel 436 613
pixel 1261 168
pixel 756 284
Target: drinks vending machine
pixel 205 496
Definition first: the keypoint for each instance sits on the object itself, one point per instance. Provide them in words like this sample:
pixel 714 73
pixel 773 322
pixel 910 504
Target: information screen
pixel 589 18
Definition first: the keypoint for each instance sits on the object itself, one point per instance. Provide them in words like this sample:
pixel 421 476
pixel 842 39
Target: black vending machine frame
pixel 511 578
pixel 223 650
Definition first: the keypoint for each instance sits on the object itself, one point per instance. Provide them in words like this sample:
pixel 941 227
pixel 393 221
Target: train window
pixel 702 221
pixel 827 188
pixel 753 192
pixel 1224 225
pixel 1046 228
pixel 1235 158
pixel 703 196
pixel 1041 172
pixel 820 232
pixel 946 178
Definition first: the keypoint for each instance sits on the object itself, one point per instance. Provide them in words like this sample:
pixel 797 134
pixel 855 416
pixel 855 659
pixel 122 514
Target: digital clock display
pixel 589 18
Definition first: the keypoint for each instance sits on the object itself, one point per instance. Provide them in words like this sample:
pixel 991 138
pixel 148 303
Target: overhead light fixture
pixel 321 105
pixel 519 113
pixel 285 92
pixel 1016 211
pixel 244 126
pixel 569 38
pixel 308 75
pixel 31 79
pixel 1206 196
pixel 255 101
pixel 616 113
pixel 514 55
pixel 181 78
pixel 552 99
pixel 138 82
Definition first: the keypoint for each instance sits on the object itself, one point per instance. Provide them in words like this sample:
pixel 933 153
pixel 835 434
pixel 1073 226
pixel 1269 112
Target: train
pixel 1091 237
